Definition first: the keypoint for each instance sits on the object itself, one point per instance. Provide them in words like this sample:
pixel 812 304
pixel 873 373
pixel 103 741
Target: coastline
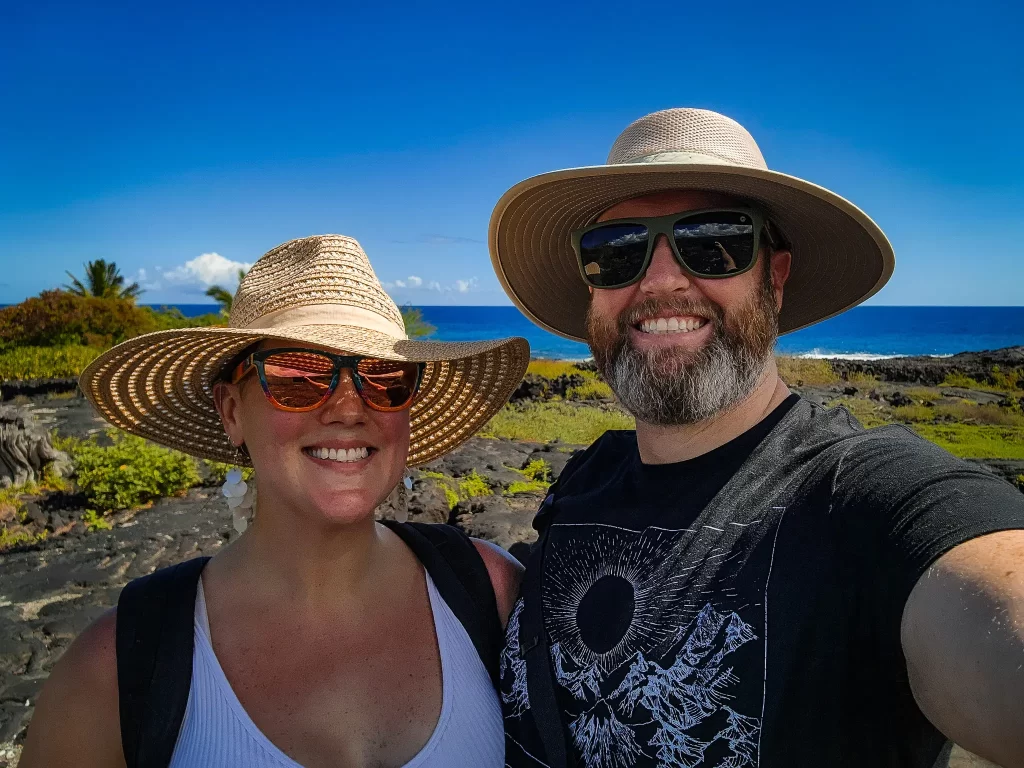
pixel 68 566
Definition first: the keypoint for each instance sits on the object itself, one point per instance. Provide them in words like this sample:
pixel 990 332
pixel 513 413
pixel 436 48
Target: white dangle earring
pixel 241 497
pixel 399 499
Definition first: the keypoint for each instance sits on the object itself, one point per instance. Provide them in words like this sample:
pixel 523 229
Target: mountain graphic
pixel 673 706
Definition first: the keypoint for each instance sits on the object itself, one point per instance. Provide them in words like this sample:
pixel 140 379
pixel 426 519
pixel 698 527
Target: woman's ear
pixel 228 400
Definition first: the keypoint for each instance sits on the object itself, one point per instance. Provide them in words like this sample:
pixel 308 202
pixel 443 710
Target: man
pixel 748 579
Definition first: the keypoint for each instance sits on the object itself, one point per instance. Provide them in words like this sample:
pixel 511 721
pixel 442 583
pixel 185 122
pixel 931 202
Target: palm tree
pixel 103 281
pixel 222 296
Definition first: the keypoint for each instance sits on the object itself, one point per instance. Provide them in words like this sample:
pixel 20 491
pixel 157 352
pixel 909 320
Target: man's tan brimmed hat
pixel 317 290
pixel 840 256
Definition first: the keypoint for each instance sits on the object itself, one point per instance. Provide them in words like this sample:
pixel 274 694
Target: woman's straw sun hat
pixel 317 290
pixel 840 256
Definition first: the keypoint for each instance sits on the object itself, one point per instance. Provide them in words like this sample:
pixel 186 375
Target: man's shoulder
pixel 890 458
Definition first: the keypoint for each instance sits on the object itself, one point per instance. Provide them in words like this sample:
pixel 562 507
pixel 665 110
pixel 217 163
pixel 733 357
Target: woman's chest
pixel 353 695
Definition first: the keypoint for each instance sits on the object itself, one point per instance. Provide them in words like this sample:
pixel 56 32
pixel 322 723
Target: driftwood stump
pixel 25 449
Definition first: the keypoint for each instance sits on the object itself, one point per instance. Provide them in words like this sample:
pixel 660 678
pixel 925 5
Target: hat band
pixel 684 158
pixel 328 314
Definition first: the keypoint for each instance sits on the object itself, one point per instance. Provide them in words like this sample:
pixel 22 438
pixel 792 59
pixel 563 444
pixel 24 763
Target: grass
pixel 962 413
pixel 592 389
pixel 552 369
pixel 548 422
pixel 1008 381
pixel 976 441
pixel 21 363
pixel 802 371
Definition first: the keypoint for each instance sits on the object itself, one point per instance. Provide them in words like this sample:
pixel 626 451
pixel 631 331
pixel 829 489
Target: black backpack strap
pixel 535 647
pixel 461 578
pixel 155 642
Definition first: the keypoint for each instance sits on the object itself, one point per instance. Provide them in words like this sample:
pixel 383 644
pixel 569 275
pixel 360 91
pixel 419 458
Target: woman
pixel 319 640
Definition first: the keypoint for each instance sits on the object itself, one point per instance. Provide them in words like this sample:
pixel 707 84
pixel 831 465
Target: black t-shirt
pixel 743 608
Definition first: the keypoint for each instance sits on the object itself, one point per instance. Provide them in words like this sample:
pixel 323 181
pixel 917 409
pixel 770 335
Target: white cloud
pixel 413 284
pixel 206 270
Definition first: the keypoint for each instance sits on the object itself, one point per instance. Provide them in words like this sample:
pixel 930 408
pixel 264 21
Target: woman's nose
pixel 344 404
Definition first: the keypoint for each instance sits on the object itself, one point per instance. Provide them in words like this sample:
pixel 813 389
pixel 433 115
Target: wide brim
pixel 160 385
pixel 840 256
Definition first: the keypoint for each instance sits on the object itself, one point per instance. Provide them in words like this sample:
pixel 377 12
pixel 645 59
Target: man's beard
pixel 672 386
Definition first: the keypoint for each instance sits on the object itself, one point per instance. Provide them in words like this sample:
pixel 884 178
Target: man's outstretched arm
pixel 963 638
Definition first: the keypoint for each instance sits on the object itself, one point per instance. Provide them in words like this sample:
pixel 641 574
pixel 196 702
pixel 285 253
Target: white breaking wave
pixel 816 354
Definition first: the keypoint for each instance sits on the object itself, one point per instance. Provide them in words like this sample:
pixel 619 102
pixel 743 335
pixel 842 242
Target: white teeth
pixel 671 325
pixel 339 454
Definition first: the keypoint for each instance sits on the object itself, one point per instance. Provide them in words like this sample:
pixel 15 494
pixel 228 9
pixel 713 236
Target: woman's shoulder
pixel 76 719
pixel 506 573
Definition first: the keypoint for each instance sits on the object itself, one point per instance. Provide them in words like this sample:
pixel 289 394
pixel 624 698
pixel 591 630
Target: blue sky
pixel 180 139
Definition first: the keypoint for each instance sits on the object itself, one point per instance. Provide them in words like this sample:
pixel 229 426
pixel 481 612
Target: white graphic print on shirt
pixel 657 643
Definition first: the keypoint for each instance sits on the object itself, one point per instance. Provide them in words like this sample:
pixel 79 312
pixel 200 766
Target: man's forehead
pixel 668 201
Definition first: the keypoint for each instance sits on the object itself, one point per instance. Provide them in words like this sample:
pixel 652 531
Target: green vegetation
pixel 1010 381
pixel 223 296
pixel 552 369
pixel 95 522
pixel 21 363
pixel 976 441
pixel 130 473
pixel 537 478
pixel 592 389
pixel 801 371
pixel 12 508
pixel 103 281
pixel 548 422
pixel 415 326
pixel 217 471
pixel 460 488
pixel 963 413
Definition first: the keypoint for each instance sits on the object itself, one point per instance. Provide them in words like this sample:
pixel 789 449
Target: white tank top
pixel 217 731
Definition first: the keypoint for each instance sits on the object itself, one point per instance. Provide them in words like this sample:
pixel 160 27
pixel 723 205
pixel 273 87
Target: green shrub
pixel 131 472
pixel 460 489
pixel 168 318
pixel 1019 482
pixel 525 486
pixel 961 380
pixel 94 522
pixel 217 471
pixel 548 422
pixel 537 469
pixel 474 484
pixel 9 538
pixel 21 363
pixel 58 318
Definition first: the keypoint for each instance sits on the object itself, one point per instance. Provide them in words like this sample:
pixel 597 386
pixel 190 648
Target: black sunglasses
pixel 712 243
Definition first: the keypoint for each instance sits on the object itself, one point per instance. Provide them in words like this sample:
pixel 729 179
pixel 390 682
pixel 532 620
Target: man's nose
pixel 664 275
pixel 345 404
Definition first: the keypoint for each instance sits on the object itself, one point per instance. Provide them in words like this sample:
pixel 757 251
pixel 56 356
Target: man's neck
pixel 666 445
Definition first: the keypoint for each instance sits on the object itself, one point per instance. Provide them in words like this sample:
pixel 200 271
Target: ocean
pixel 862 332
